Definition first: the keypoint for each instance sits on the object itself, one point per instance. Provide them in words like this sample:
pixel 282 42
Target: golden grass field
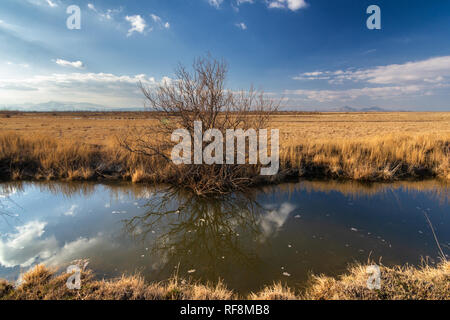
pixel 358 146
pixel 99 128
pixel 352 146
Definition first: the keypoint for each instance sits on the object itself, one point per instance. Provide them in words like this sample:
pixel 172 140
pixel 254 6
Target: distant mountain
pixel 367 109
pixel 63 106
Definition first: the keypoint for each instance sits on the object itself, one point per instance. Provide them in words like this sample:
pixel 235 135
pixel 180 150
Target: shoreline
pixel 35 159
pixel 397 283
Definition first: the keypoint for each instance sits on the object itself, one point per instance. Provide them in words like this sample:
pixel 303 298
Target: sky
pixel 312 54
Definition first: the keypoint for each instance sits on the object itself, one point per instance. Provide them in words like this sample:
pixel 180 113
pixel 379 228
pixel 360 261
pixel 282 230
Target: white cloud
pixel 431 70
pixel 381 82
pixel 52 4
pixel 239 2
pixel 155 18
pixel 137 24
pixel 22 65
pixel 108 14
pixel 426 70
pixel 215 3
pixel 292 5
pixel 241 26
pixel 159 22
pixel 352 94
pixel 74 64
pixel 100 88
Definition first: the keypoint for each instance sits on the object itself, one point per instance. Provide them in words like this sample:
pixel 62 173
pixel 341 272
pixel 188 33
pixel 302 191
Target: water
pixel 248 240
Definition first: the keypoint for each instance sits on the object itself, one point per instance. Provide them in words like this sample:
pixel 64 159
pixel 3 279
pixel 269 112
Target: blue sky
pixel 315 54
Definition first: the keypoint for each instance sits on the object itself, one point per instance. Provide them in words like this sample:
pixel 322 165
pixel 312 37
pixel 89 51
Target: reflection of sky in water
pixel 279 231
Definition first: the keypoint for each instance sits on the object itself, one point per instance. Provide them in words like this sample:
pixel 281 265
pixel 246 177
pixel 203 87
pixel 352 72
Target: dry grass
pixel 397 283
pixel 376 158
pixel 368 147
pixel 276 291
pixel 41 283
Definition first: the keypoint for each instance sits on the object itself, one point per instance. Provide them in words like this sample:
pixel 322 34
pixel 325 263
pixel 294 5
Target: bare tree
pixel 200 95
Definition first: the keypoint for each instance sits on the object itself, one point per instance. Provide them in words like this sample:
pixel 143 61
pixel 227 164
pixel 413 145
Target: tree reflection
pixel 202 233
pixel 6 203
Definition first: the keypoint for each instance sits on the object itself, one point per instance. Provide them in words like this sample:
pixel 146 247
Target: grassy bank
pixel 383 158
pixel 426 282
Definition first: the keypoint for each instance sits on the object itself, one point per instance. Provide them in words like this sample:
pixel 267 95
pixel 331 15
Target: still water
pixel 283 232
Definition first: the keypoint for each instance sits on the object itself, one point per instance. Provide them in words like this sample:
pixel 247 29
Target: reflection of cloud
pixel 24 247
pixel 275 219
pixel 27 246
pixel 72 251
pixel 71 211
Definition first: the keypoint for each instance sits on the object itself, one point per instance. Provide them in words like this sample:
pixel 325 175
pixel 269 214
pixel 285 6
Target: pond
pixel 275 233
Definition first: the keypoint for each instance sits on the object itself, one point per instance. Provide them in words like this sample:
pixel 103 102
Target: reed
pixel 383 158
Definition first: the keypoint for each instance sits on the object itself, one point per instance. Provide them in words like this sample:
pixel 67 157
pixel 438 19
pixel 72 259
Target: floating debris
pixel 289 246
pixel 142 256
pixel 286 274
pixel 191 271
pixel 297 216
pixel 354 229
